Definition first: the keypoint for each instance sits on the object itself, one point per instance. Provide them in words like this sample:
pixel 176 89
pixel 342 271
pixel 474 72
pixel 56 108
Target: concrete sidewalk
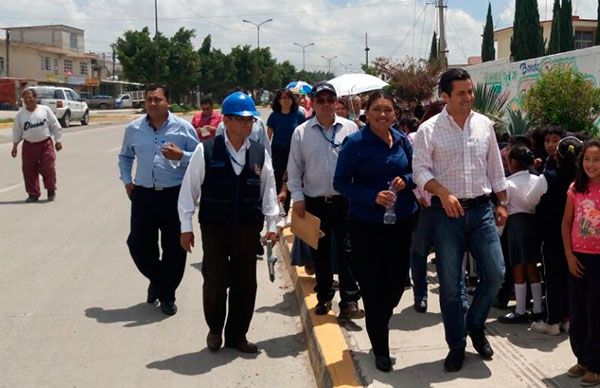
pixel 522 358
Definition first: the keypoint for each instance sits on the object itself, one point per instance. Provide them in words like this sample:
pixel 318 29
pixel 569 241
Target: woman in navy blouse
pixel 374 171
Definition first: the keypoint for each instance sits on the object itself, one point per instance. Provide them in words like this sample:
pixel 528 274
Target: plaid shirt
pixel 466 161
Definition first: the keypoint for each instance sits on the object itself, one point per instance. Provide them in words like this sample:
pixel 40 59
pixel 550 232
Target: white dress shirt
pixel 191 187
pixel 313 157
pixel 466 161
pixel 519 185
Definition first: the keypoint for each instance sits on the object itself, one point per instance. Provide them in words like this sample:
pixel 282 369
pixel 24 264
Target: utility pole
pixel 304 46
pixel 8 52
pixel 328 59
pixel 366 52
pixel 257 29
pixel 113 62
pixel 155 18
pixel 442 47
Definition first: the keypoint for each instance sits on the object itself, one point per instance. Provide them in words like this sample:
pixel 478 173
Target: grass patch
pixel 6 120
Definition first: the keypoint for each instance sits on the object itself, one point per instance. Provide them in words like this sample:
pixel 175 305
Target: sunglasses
pixel 323 100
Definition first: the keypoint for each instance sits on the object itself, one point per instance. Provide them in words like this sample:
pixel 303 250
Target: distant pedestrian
pixel 231 178
pixel 35 125
pixel 161 144
pixel 206 121
pixel 457 159
pixel 581 236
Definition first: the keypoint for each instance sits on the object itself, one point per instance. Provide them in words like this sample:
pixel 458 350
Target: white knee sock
pixel 536 292
pixel 521 296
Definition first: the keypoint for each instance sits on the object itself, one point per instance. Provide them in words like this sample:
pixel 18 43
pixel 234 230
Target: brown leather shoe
pixel 322 308
pixel 214 341
pixel 243 346
pixel 351 311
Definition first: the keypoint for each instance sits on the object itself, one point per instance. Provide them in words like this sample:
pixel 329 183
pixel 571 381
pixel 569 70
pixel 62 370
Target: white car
pixel 66 104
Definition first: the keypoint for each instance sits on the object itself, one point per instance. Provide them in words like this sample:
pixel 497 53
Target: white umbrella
pixel 355 83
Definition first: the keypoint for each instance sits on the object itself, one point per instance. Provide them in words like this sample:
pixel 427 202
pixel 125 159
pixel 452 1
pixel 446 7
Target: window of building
pixel 68 66
pixel 55 67
pixel 83 68
pixel 45 64
pixel 73 41
pixel 584 39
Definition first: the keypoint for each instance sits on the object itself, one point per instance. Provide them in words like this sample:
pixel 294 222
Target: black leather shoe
pixel 214 341
pixel 322 308
pixel 243 346
pixel 481 344
pixel 168 308
pixel 513 317
pixel 351 311
pixel 51 195
pixel 152 294
pixel 454 360
pixel 383 363
pixel 31 198
pixel 421 306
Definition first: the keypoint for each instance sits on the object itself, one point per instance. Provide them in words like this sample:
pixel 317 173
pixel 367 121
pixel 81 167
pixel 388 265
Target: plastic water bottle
pixel 389 217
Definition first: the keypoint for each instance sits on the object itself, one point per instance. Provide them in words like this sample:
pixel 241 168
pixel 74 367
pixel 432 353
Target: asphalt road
pixel 73 304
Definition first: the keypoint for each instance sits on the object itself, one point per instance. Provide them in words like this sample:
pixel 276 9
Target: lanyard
pixel 332 140
pixel 233 159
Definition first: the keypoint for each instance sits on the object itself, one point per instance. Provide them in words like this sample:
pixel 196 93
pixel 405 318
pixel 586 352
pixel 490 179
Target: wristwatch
pixel 503 203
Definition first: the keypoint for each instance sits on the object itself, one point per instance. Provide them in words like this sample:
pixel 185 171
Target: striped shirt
pixel 465 161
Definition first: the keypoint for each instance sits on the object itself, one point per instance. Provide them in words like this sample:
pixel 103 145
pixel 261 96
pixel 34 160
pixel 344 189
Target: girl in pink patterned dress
pixel 581 236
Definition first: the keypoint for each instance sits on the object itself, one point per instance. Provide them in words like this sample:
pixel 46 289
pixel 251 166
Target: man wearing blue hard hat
pixel 231 177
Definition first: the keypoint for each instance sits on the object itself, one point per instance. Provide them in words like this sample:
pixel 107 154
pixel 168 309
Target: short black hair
pixel 456 74
pixel 519 140
pixel 554 130
pixel 153 87
pixel 522 156
pixel 206 100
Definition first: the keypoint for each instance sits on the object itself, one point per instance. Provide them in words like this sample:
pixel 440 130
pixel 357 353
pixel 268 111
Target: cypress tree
pixel 433 54
pixel 488 52
pixel 527 40
pixel 567 37
pixel 597 38
pixel 554 44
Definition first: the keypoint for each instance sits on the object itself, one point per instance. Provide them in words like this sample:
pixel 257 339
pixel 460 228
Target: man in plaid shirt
pixel 456 158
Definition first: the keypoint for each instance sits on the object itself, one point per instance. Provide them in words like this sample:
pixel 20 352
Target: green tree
pixel 554 44
pixel 183 64
pixel 562 96
pixel 567 37
pixel 433 53
pixel 216 75
pixel 527 40
pixel 488 52
pixel 137 54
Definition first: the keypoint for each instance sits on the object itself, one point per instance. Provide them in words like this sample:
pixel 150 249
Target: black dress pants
pixel 280 161
pixel 229 261
pixel 556 276
pixel 153 212
pixel 333 213
pixel 381 260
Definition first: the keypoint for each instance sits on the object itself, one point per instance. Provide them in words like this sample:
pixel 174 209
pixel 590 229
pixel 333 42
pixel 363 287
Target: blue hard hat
pixel 239 104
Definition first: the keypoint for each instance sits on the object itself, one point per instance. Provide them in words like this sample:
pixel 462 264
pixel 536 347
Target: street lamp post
pixel 345 66
pixel 304 46
pixel 257 29
pixel 328 59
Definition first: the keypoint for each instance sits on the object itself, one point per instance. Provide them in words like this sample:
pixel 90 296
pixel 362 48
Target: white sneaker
pixel 565 326
pixel 543 327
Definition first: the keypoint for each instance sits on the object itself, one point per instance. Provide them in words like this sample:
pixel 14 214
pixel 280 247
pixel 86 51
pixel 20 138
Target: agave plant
pixel 517 123
pixel 490 101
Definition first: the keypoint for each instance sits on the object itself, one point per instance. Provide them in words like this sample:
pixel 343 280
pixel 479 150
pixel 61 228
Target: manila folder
pixel 308 229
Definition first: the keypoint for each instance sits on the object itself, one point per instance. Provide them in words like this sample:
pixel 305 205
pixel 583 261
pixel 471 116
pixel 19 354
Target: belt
pixel 467 203
pixel 328 198
pixel 156 188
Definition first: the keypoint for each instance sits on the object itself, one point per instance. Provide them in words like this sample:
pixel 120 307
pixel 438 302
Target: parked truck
pixel 99 101
pixel 10 92
pixel 134 99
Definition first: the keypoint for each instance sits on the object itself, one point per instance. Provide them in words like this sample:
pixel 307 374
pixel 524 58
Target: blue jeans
pixel 422 240
pixel 475 231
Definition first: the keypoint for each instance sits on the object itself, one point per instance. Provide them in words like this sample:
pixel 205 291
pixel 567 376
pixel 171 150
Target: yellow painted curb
pixel 328 350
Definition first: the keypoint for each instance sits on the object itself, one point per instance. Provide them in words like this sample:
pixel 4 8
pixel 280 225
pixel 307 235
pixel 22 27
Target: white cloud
pixel 399 30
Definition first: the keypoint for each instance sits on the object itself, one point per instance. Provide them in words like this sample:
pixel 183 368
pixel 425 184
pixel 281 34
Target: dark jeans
pixel 422 240
pixel 153 211
pixel 280 156
pixel 334 221
pixel 229 261
pixel 381 259
pixel 508 284
pixel 476 232
pixel 556 276
pixel 584 298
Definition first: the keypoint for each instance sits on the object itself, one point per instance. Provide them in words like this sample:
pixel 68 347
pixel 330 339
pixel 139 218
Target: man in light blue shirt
pixel 161 144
